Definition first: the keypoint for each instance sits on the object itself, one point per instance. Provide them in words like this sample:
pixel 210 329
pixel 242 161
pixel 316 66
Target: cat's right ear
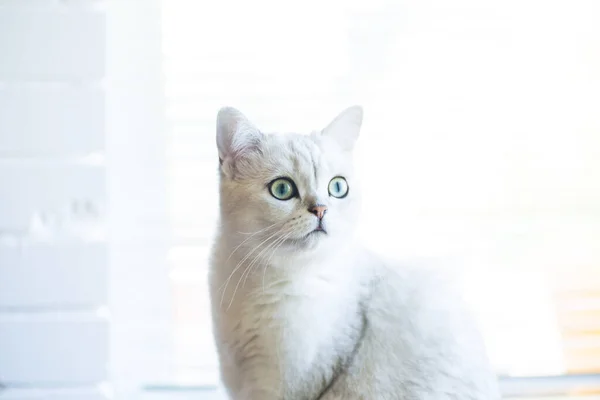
pixel 236 135
pixel 344 129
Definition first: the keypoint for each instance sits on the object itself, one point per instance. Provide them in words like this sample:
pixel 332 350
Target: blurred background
pixel 481 143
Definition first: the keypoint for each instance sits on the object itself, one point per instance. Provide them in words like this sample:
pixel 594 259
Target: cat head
pixel 289 194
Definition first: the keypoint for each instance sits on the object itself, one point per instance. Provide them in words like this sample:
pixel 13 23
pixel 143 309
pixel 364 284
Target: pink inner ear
pixel 236 136
pixel 234 131
pixel 246 140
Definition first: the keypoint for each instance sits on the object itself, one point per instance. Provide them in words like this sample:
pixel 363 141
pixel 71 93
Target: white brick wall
pixel 54 334
pixel 29 274
pixel 54 394
pixel 53 349
pixel 51 43
pixel 84 298
pixel 74 113
pixel 57 192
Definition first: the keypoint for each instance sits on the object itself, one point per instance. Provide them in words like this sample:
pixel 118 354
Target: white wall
pixel 54 329
pixel 84 305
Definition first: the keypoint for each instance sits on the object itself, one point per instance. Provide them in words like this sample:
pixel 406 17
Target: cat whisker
pixel 283 239
pixel 250 237
pixel 243 259
pixel 258 231
pixel 252 263
pixel 273 245
pixel 239 264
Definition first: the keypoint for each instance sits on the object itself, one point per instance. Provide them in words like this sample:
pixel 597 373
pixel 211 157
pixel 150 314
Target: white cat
pixel 300 309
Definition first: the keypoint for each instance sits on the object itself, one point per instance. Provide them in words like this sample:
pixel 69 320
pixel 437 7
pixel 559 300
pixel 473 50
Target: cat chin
pixel 315 245
pixel 307 243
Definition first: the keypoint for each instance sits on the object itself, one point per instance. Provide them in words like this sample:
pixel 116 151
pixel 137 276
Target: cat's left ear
pixel 344 129
pixel 236 135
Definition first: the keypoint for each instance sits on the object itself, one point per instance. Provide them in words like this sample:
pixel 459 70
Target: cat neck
pixel 325 262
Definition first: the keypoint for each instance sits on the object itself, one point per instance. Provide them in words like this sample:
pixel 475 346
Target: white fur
pixel 318 316
pixel 346 127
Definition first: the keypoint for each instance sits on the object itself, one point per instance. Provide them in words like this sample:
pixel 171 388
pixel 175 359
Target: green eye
pixel 338 187
pixel 282 189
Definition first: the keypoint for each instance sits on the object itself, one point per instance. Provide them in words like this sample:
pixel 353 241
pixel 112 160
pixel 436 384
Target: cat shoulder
pixel 419 284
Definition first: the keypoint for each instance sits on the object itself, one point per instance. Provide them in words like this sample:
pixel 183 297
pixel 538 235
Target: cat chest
pixel 316 331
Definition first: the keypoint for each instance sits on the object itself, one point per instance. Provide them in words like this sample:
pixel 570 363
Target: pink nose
pixel 318 210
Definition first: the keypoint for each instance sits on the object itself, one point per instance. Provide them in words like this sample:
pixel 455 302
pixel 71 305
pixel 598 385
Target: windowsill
pixel 560 385
pixel 532 388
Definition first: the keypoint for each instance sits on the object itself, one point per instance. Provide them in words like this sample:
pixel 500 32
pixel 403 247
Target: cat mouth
pixel 318 230
pixel 309 239
pixel 314 234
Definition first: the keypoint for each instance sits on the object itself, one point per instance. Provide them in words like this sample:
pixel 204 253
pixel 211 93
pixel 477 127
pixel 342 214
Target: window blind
pixel 480 141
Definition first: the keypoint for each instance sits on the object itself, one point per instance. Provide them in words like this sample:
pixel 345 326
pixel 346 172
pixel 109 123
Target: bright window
pixel 481 142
